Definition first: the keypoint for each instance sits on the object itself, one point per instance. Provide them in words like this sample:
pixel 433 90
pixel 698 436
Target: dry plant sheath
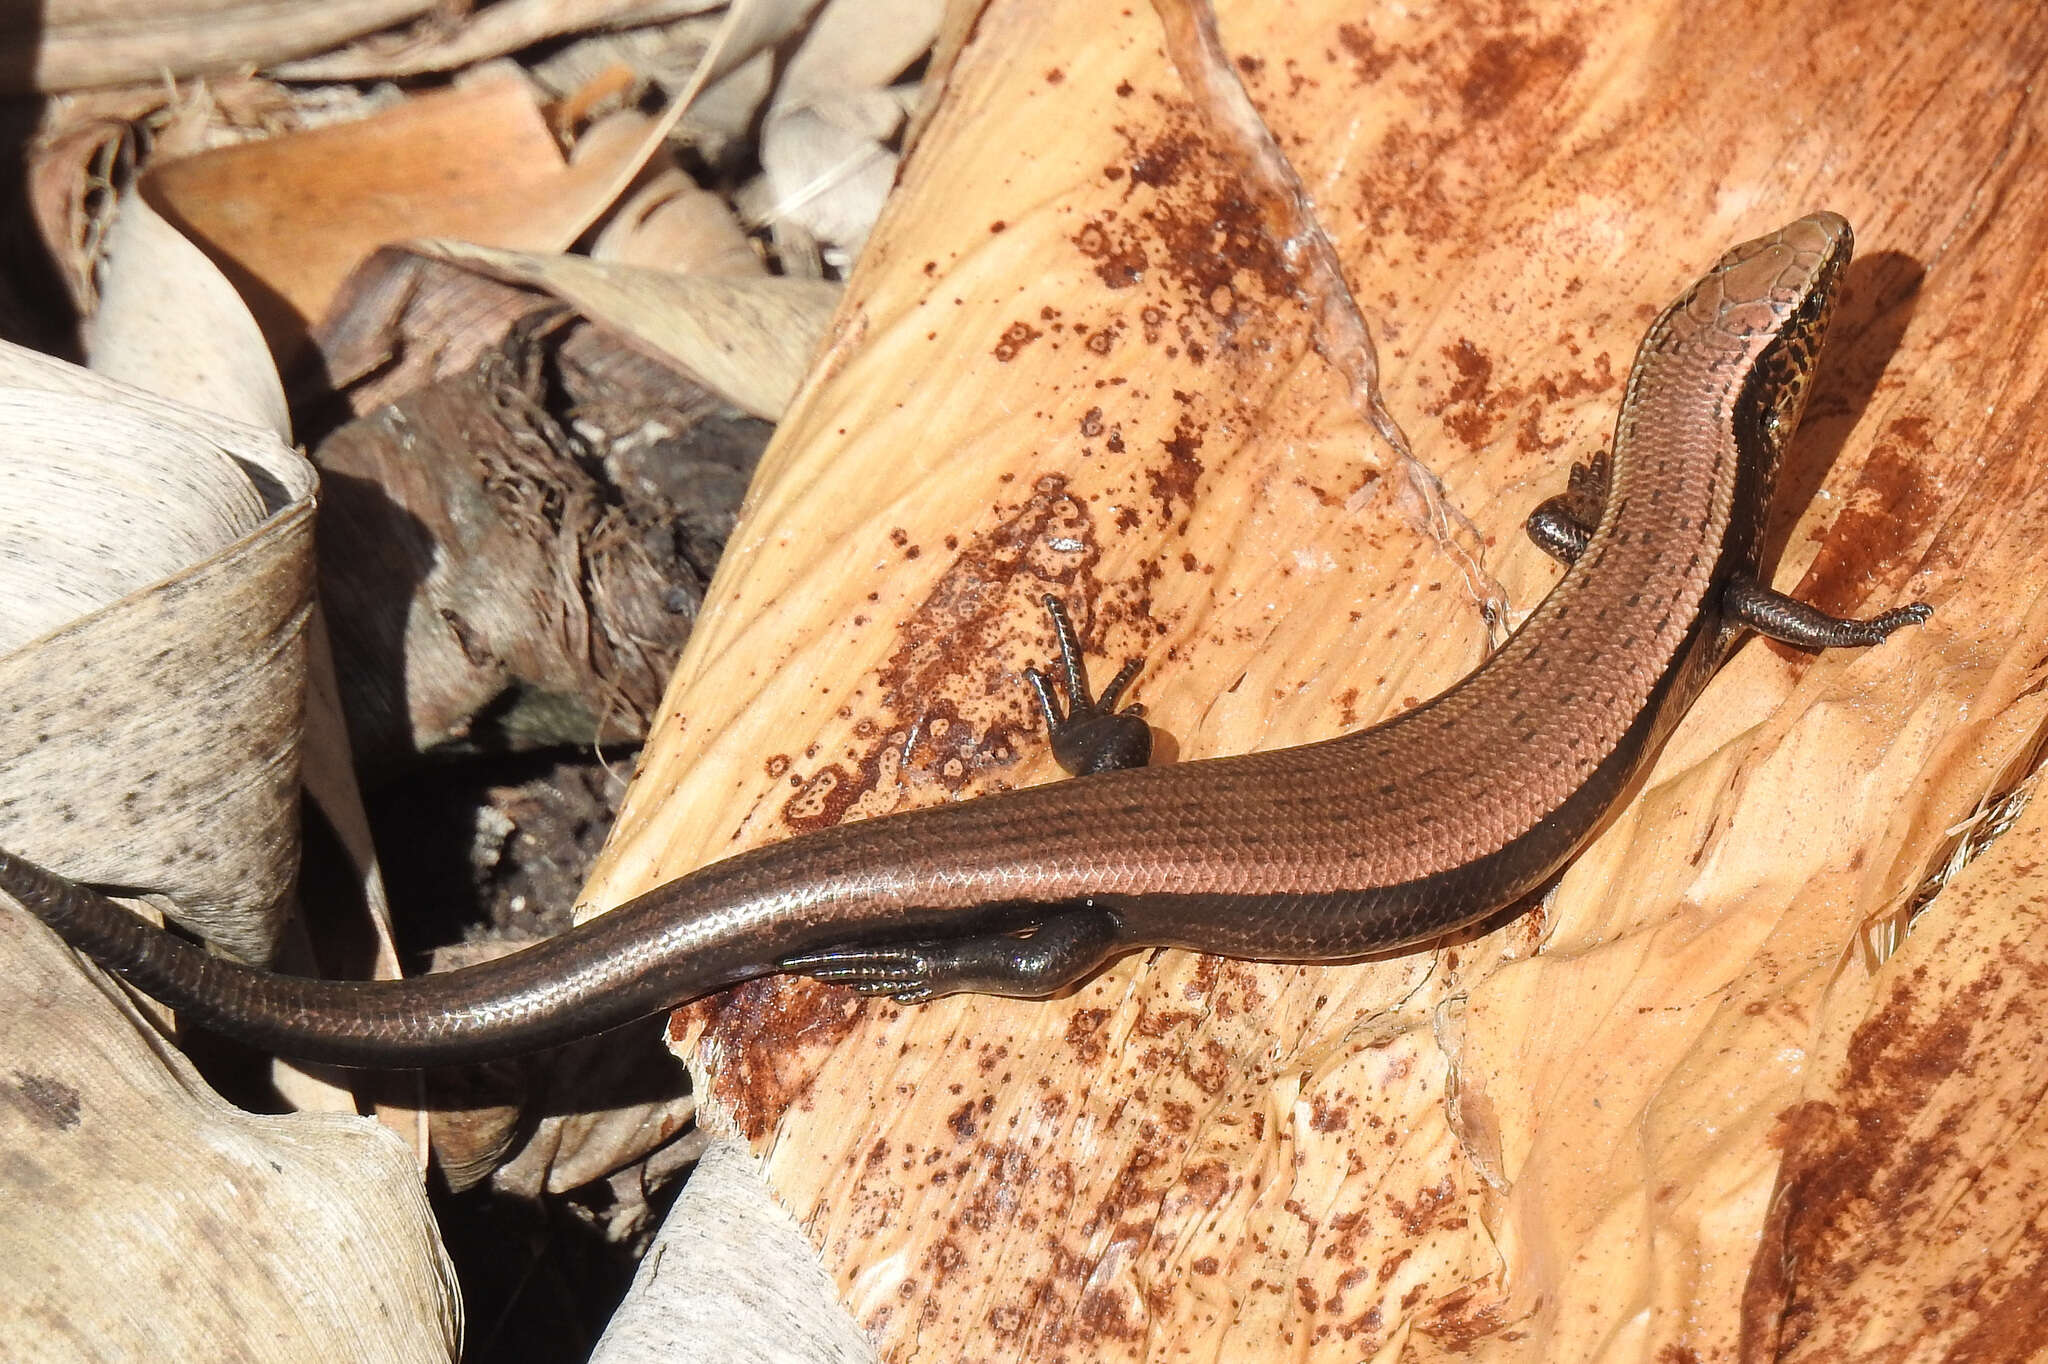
pixel 1391 836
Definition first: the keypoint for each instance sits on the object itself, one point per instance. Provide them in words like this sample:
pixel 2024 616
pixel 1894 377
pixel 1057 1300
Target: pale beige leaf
pixel 855 45
pixel 748 340
pixel 824 135
pixel 169 323
pixel 149 1219
pixel 492 31
pixel 154 710
pixel 69 44
pixel 697 1296
pixel 827 172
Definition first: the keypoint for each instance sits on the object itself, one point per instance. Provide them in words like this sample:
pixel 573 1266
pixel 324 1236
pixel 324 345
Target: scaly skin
pixel 1362 844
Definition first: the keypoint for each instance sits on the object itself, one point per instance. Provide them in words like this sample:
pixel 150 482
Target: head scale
pixel 1793 276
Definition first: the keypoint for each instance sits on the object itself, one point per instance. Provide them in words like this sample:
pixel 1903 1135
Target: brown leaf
pixel 287 218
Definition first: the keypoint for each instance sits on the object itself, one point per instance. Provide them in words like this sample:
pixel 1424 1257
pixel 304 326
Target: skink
pixel 1377 840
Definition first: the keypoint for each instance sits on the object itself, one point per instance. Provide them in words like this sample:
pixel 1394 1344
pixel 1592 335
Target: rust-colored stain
pixel 1875 1169
pixel 1186 228
pixel 1172 484
pixel 1465 409
pixel 1885 513
pixel 1119 260
pixel 1473 409
pixel 1505 69
pixel 1015 338
pixel 964 628
pixel 759 1037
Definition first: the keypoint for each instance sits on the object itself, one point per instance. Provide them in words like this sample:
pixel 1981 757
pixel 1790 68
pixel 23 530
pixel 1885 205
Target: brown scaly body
pixel 1362 844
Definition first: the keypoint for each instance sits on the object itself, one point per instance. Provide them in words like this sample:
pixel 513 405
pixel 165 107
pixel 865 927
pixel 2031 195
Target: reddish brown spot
pixel 1504 68
pixel 1883 515
pixel 1368 59
pixel 1119 263
pixel 1465 409
pixel 1173 486
pixel 761 1042
pixel 821 799
pixel 1162 163
pixel 1084 1034
pixel 1015 338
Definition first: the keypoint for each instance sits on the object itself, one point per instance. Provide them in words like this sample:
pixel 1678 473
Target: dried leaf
pixel 670 224
pixel 828 174
pixel 736 72
pixel 69 44
pixel 288 218
pixel 150 1219
pixel 190 540
pixel 491 31
pixel 726 1304
pixel 169 323
pixel 747 340
pixel 824 138
pixel 1086 369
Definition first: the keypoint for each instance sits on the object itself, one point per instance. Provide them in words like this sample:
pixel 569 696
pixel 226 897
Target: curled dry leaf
pixel 1082 367
pixel 72 44
pixel 170 324
pixel 153 710
pixel 825 135
pixel 491 31
pixel 670 224
pixel 151 1220
pixel 829 169
pixel 289 217
pixel 747 340
pixel 694 1296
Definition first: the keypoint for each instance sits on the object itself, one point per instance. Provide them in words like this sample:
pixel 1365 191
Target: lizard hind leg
pixel 1561 525
pixel 1062 949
